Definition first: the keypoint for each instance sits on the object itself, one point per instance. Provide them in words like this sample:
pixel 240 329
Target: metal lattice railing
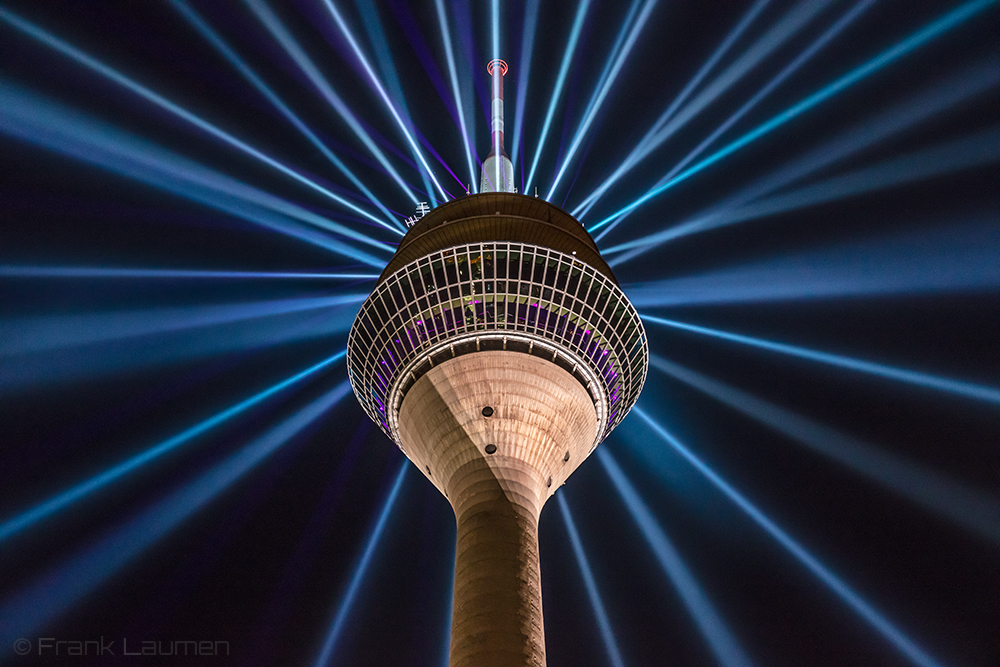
pixel 463 298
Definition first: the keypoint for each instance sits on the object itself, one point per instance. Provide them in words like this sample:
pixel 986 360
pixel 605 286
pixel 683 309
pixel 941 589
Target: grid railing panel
pixel 492 288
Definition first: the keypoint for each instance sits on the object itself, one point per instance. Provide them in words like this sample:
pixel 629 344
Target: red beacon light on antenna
pixel 494 63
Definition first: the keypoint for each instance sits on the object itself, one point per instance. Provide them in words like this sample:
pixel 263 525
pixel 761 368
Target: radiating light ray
pixel 413 32
pixel 34 334
pixel 471 54
pixel 373 77
pixel 963 505
pixel 789 69
pixel 100 272
pixel 979 149
pixel 524 67
pixel 383 54
pixel 62 500
pixel 945 94
pixel 250 75
pixel 370 18
pixel 793 22
pixel 468 57
pixel 603 623
pixel 45 123
pixel 720 639
pixel 372 22
pixel 914 41
pixel 872 616
pixel 36 605
pixel 574 36
pixel 337 626
pixel 376 36
pixel 442 16
pixel 623 34
pixel 916 378
pixel 619 53
pixel 270 21
pixel 588 203
pixel 95 65
pixel 38 373
pixel 961 257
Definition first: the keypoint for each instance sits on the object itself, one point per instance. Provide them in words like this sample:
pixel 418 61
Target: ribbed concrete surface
pixel 541 415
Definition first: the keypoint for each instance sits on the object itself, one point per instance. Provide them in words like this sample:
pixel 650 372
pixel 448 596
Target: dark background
pixel 265 564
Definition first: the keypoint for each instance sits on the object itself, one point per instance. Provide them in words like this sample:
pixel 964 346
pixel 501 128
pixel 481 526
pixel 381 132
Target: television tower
pixel 497 350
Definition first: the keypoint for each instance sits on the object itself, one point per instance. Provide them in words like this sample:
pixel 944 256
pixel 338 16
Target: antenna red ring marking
pixel 494 63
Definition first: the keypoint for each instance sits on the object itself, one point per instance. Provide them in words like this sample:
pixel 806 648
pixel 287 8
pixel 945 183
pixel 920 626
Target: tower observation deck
pixel 497 350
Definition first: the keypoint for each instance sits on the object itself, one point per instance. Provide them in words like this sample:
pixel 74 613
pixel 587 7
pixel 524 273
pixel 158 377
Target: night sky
pixel 886 252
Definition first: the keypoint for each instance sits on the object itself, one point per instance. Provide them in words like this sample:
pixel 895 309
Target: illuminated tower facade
pixel 497 350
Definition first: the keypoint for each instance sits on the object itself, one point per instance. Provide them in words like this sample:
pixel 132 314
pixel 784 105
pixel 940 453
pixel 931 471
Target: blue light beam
pixel 916 378
pixel 713 628
pixel 373 77
pixel 793 22
pixel 62 500
pixel 814 48
pixel 45 123
pixel 369 12
pixel 37 605
pixel 115 273
pixel 527 47
pixel 35 373
pixel 610 645
pixel 270 21
pixel 574 36
pixel 734 34
pixel 967 507
pixel 250 75
pixel 914 41
pixel 337 626
pixel 456 90
pixel 872 616
pixel 95 65
pixel 950 91
pixel 789 69
pixel 608 78
pixel 35 334
pixel 962 256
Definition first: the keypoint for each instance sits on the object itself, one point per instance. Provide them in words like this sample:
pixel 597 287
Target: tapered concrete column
pixel 497 467
pixel 497 617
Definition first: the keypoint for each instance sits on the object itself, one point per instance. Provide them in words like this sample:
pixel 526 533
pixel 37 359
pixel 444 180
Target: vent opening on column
pixel 491 448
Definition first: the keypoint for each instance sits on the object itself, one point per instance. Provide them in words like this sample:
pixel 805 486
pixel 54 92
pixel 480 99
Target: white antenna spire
pixel 498 172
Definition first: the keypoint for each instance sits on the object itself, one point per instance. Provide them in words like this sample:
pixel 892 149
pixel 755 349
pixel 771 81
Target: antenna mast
pixel 498 172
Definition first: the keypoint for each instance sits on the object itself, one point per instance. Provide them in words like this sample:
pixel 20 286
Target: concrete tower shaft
pixel 542 425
